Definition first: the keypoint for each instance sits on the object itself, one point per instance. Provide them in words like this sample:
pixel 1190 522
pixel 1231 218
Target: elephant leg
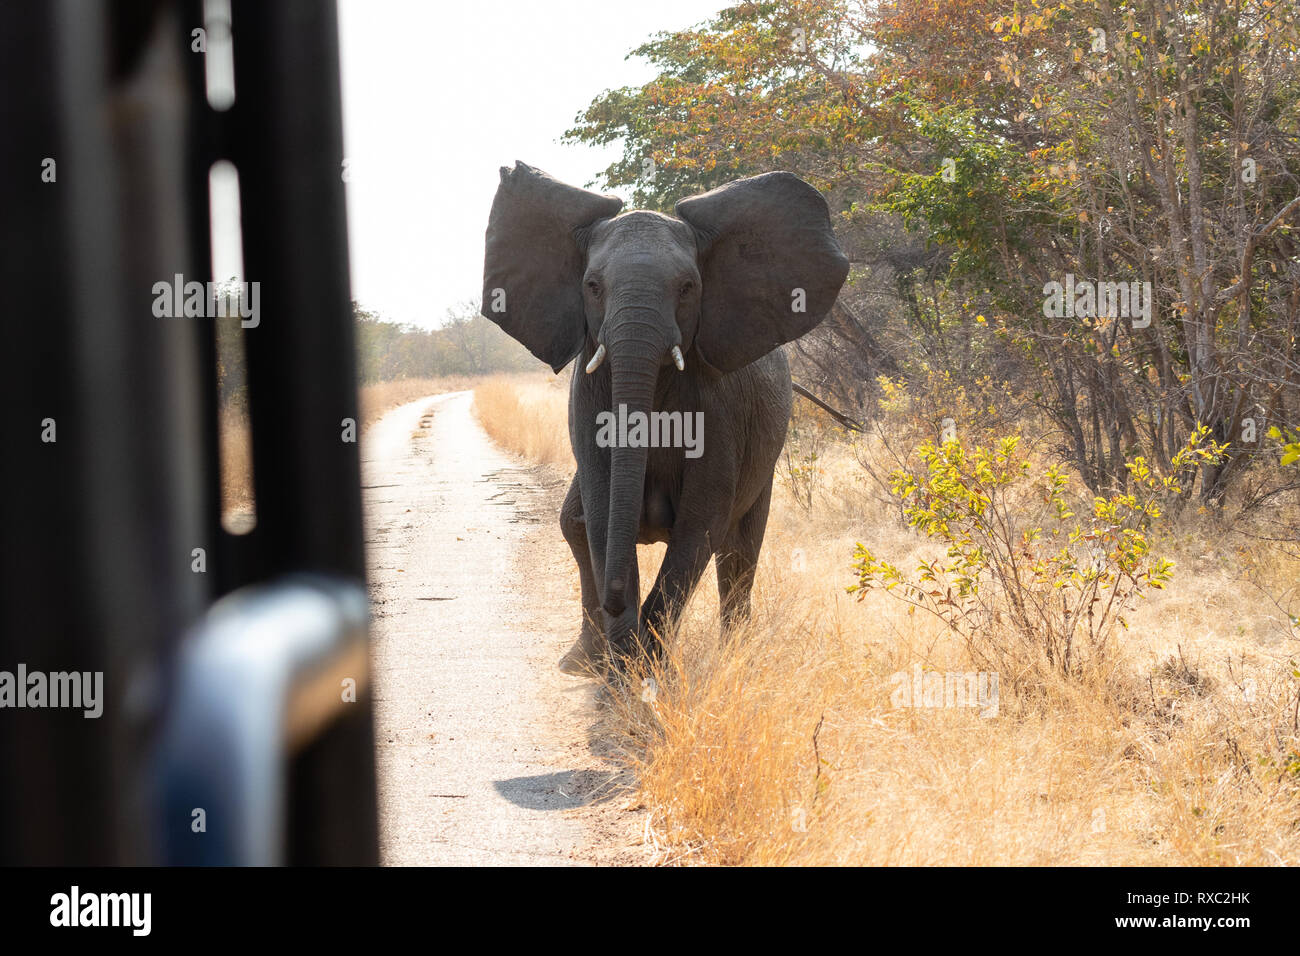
pixel 738 561
pixel 587 655
pixel 689 550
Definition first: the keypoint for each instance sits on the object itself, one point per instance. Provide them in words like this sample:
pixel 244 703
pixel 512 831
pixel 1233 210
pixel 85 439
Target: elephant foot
pixel 635 656
pixel 587 657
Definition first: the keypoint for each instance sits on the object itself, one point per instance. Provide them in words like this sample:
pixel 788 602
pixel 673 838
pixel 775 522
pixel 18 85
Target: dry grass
pixel 528 415
pixel 784 746
pixel 236 454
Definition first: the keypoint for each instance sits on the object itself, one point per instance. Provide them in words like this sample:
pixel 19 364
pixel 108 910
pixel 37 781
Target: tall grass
pixel 527 415
pixel 784 744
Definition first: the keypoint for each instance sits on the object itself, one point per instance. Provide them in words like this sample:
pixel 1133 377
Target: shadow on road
pixel 559 791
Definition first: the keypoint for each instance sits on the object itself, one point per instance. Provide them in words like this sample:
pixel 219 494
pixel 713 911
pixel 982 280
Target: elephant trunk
pixel 636 350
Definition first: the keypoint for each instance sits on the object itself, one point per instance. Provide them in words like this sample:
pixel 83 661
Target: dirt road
pixel 485 751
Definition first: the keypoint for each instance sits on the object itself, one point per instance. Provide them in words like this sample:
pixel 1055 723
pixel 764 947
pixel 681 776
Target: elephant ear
pixel 534 260
pixel 770 267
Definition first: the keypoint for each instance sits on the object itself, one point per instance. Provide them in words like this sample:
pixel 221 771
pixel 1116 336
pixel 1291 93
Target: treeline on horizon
pixel 466 344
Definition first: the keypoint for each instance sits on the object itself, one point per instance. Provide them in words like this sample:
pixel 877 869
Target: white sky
pixel 438 95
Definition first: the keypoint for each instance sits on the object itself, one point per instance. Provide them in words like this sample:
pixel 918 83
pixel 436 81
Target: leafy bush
pixel 1021 572
pixel 1290 444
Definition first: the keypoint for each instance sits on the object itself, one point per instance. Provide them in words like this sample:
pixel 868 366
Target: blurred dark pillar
pixel 98 528
pixel 286 139
pixel 98 525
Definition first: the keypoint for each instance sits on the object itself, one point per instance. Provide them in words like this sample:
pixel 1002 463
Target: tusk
pixel 596 359
pixel 677 358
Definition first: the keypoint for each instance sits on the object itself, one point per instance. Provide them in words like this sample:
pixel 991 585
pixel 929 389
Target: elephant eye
pixel 687 286
pixel 594 287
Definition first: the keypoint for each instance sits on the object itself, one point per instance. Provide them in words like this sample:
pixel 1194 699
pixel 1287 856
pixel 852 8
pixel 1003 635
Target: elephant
pixel 684 313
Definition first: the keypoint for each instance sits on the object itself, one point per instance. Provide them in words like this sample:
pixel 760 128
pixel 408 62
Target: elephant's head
pixel 742 270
